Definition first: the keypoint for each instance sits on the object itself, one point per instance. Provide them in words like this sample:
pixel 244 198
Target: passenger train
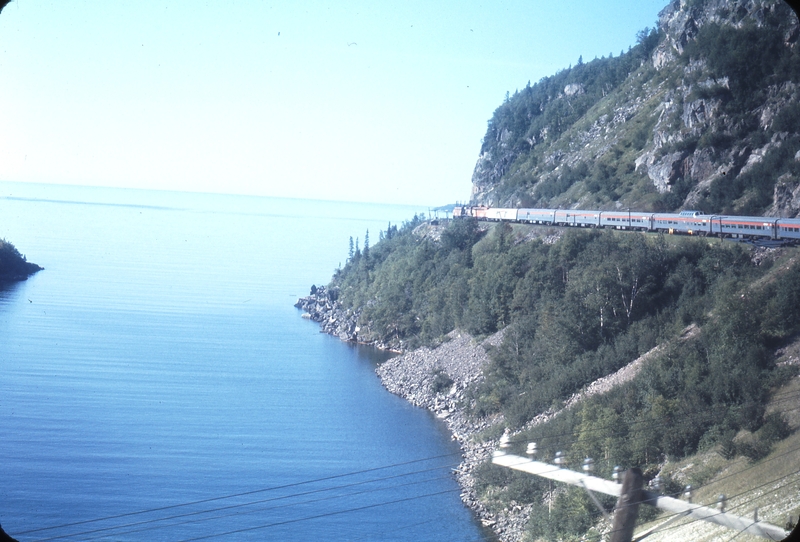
pixel 685 222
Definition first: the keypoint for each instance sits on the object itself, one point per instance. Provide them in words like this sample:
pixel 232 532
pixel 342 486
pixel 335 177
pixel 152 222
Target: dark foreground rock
pixel 4 536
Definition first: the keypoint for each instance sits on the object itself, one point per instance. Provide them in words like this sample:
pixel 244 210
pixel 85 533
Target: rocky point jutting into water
pixel 13 265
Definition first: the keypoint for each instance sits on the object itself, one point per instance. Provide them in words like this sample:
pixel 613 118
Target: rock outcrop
pixel 323 306
pixel 666 117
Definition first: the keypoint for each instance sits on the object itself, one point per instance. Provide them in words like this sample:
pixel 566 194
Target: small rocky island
pixel 14 267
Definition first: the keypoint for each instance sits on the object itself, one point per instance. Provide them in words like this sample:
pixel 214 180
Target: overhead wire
pixel 240 494
pixel 264 509
pixel 734 507
pixel 263 501
pixel 326 489
pixel 711 505
pixel 756 465
pixel 319 516
pixel 782 397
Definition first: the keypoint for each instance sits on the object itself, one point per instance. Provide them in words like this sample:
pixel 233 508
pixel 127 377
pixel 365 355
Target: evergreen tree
pixel 352 252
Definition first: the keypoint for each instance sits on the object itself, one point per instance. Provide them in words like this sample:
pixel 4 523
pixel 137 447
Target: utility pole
pixel 627 509
pixel 678 507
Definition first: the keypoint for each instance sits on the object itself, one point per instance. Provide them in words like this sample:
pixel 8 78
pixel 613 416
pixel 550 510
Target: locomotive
pixel 685 222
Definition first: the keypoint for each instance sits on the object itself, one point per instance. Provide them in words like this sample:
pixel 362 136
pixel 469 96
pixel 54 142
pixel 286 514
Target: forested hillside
pixel 13 265
pixel 704 112
pixel 578 305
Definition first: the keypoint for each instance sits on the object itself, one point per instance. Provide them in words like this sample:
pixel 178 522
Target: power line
pixel 591 483
pixel 262 509
pixel 318 516
pixel 733 497
pixel 242 494
pixel 253 503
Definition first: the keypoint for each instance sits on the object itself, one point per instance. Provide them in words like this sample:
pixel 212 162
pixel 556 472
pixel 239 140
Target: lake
pixel 156 382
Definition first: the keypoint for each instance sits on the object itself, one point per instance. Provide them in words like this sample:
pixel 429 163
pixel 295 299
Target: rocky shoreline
pixel 436 379
pixel 322 306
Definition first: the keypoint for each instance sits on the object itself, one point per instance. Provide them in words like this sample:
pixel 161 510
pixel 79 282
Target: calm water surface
pixel 156 382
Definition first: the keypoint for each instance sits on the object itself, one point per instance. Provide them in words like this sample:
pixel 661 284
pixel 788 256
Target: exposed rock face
pixel 786 200
pixel 322 306
pixel 692 137
pixel 573 89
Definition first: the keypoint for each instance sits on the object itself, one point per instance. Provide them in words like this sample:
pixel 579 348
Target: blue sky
pixel 360 101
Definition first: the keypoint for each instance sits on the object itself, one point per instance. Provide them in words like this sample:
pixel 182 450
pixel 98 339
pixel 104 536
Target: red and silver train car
pixel 685 222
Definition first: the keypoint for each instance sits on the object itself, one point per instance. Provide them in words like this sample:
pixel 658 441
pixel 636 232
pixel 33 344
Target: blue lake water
pixel 156 382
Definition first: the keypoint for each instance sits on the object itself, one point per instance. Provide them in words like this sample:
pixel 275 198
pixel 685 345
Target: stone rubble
pixel 435 379
pixel 438 379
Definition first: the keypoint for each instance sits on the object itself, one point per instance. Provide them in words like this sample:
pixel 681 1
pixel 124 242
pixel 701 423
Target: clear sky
pixel 381 101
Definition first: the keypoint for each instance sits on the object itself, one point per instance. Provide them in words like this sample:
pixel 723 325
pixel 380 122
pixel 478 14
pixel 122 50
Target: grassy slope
pixel 770 484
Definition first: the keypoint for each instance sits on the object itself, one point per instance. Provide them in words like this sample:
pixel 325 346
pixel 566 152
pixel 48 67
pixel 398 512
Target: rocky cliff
pixel 704 112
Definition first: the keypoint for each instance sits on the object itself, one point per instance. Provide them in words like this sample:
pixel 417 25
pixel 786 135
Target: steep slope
pixel 704 112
